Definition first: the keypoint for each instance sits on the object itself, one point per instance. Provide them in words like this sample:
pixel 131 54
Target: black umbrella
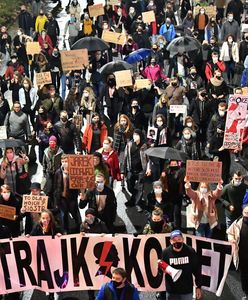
pixel 166 153
pixel 11 143
pixel 183 44
pixel 115 66
pixel 91 43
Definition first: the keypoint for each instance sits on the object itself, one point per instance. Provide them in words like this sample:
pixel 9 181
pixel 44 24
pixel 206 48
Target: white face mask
pixel 158 191
pixel 189 124
pixel 187 136
pixel 100 186
pixel 203 190
pixel 202 12
pixel 237 182
pixel 230 19
pixel 106 146
pixel 221 113
pixel 64 165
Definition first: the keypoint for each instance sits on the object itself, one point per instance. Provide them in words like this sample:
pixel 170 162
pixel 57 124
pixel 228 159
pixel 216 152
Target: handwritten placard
pixel 33 48
pixel 123 78
pixel 114 2
pixel 211 10
pixel 113 37
pixel 74 59
pixel 81 171
pixel 96 10
pixel 43 78
pixel 178 109
pixel 203 171
pixel 7 212
pixel 148 16
pixel 34 203
pixel 142 83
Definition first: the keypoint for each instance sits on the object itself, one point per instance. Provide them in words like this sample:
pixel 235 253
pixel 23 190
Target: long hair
pixel 52 223
pixel 91 100
pixel 129 124
pixel 162 97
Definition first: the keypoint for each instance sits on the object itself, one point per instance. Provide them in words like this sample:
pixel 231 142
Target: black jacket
pixel 25 21
pixel 52 28
pixel 97 227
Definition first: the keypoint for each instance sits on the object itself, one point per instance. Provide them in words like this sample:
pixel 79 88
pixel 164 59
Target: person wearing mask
pixel 167 30
pixel 194 82
pixel 4 108
pixel 190 123
pixel 131 17
pixel 92 224
pixel 135 167
pixel 230 27
pixel 88 104
pixel 75 9
pixel 55 68
pixel 100 167
pixel 52 28
pixel 11 165
pixel 230 55
pixel 141 37
pixel 161 107
pixel 97 61
pixel 212 29
pixel 129 46
pixel 17 124
pixel 94 134
pixel 232 197
pixel 136 115
pixel 25 20
pixel 53 104
pixel 13 66
pixel 15 85
pixel 217 89
pixel 119 285
pixel 179 251
pixel 45 38
pixel 186 8
pixel 213 65
pixel 237 235
pixel 87 25
pixel 68 135
pixel 203 211
pixel 218 117
pixel 153 71
pixel 201 21
pixel 37 5
pixel 40 21
pixel 188 23
pixel 243 48
pixel 102 199
pixel 28 98
pixel 237 8
pixel 156 224
pixel 73 27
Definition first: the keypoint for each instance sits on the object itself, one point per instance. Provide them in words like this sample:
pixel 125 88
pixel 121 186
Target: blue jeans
pixel 204 230
pixel 179 297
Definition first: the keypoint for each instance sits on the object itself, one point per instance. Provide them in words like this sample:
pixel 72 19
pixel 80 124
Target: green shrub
pixel 9 10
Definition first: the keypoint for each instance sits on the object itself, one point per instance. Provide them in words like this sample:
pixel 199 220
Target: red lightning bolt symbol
pixel 105 251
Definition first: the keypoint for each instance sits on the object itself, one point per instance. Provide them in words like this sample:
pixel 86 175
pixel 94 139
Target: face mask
pixel 73 20
pixel 230 41
pixel 230 19
pixel 64 165
pixel 158 191
pixel 41 14
pixel 6 196
pixel 189 124
pixel 135 106
pixel 202 12
pixel 100 186
pixel 14 61
pixel 26 85
pixel 153 63
pixel 193 73
pixel 203 190
pixel 10 156
pixel 111 82
pixel 236 182
pixel 136 138
pixel 245 220
pixel 19 33
pixel 159 123
pixel 178 245
pixel 218 77
pixel 168 22
pixel 174 83
pixel 52 146
pixel 116 284
pixel 106 146
pixel 90 221
pixel 64 119
pixel 157 226
pixel 187 136
pixel 221 113
pixel 55 53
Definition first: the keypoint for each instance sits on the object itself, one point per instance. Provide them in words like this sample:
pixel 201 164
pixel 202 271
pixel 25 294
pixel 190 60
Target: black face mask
pixel 178 245
pixel 64 119
pixel 218 77
pixel 174 84
pixel 193 74
pixel 157 226
pixel 111 82
pixel 116 284
pixel 135 106
pixel 245 220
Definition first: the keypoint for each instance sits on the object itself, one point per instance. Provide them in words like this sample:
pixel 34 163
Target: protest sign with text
pixel 178 109
pixel 113 37
pixel 7 212
pixel 142 83
pixel 43 78
pixel 235 122
pixel 81 171
pixel 210 10
pixel 33 48
pixel 203 171
pixel 123 78
pixel 74 59
pixel 148 16
pixel 34 203
pixel 86 262
pixel 96 10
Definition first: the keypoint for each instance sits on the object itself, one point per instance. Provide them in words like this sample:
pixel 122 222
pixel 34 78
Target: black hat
pixel 97 154
pixel 90 211
pixel 35 185
pixel 138 131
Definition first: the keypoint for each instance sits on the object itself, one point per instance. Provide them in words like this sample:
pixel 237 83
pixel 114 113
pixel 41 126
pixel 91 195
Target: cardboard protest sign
pixel 114 2
pixel 74 59
pixel 211 10
pixel 203 171
pixel 245 90
pixel 81 171
pixel 123 78
pixel 235 122
pixel 96 10
pixel 43 78
pixel 178 109
pixel 113 37
pixel 142 83
pixel 33 48
pixel 34 203
pixel 7 212
pixel 148 16
pixel 3 132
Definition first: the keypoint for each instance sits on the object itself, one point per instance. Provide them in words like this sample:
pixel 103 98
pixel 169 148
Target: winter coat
pixel 211 67
pixel 154 73
pixel 25 21
pixel 212 31
pixel 190 147
pixel 40 23
pixel 168 33
pixel 243 50
pixel 113 164
pixel 53 107
pixel 230 28
pixel 4 109
pixel 224 53
pixel 73 28
pixel 88 135
pixel 198 206
pixel 188 23
pixel 75 10
pixel 9 73
pixel 33 97
pixel 51 162
pixel 52 28
pixel 48 41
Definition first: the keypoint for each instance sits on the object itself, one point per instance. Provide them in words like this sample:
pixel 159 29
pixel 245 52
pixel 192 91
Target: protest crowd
pixel 150 95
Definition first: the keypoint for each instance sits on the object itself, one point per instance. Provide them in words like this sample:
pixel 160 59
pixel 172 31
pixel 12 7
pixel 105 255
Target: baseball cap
pixel 175 233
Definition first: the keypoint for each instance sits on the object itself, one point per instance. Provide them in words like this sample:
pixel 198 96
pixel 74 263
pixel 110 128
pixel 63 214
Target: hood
pixel 246 62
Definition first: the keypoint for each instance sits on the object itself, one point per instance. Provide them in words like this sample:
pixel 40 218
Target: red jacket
pixel 9 73
pixel 88 134
pixel 49 42
pixel 209 70
pixel 113 164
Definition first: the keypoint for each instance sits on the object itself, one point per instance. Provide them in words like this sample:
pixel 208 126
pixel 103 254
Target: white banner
pixel 77 262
